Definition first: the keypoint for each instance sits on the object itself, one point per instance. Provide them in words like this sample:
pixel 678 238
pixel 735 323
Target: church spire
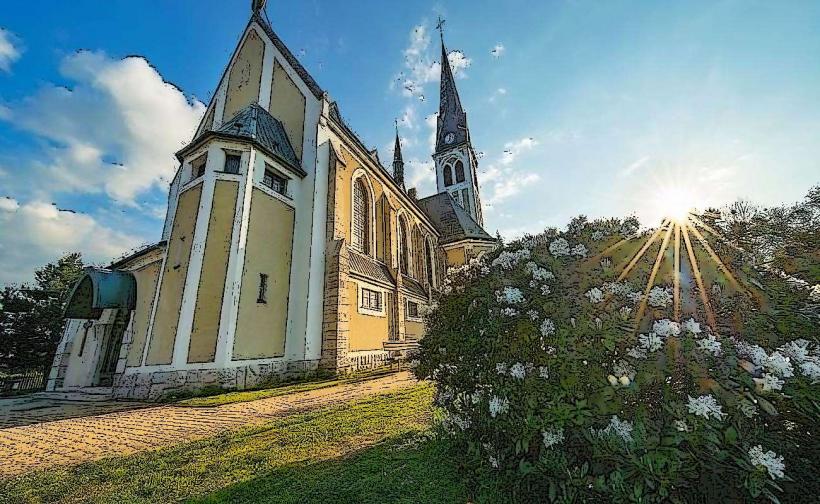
pixel 398 162
pixel 451 129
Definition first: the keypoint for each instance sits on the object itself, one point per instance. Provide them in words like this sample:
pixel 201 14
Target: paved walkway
pixel 72 441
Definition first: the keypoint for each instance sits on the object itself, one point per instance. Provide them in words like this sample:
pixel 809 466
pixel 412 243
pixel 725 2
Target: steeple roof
pixel 397 150
pixel 398 162
pixel 451 116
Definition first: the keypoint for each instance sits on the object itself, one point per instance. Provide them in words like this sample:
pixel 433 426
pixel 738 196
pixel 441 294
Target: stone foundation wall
pixel 369 360
pixel 152 386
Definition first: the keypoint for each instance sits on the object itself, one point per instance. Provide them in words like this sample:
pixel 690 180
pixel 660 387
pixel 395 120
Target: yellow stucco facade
pixel 287 104
pixel 262 321
pixel 244 79
pixel 147 278
pixel 174 275
pixel 202 345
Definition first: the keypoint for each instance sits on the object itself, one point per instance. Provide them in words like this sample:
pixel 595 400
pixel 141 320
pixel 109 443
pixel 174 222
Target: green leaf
pixel 730 434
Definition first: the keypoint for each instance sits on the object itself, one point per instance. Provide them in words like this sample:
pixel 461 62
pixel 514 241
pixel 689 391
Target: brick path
pixel 76 440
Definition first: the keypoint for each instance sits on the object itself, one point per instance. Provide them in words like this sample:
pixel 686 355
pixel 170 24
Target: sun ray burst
pixel 651 281
pixel 693 263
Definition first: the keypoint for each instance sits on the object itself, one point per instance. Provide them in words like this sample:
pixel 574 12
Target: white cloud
pixel 8 204
pixel 35 233
pixel 115 131
pixel 498 93
pixel 408 117
pixel 513 149
pixel 635 165
pixel 432 123
pixel 9 50
pixel 501 179
pixel 421 175
pixel 498 50
pixel 422 65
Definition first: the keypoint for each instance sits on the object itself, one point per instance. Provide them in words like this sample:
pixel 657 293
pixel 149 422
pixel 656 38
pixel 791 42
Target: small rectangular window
pixel 232 160
pixel 275 181
pixel 263 289
pixel 198 166
pixel 371 299
pixel 412 309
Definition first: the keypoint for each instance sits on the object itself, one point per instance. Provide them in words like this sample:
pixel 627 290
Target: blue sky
pixel 593 107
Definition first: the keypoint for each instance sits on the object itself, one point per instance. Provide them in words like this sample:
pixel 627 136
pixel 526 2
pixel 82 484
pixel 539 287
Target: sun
pixel 675 202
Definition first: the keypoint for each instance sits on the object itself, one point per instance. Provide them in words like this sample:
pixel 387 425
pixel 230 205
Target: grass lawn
pixel 370 450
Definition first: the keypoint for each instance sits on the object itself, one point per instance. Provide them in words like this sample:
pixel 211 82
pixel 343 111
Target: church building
pixel 287 246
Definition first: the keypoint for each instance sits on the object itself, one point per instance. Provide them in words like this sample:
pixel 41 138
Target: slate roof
pixel 370 268
pixel 450 220
pixel 254 123
pixel 413 286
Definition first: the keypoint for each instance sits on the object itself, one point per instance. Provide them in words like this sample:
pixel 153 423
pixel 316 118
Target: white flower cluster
pixel 509 312
pixel 508 260
pixel 691 326
pixel 509 295
pixel 767 460
pixel 779 364
pixel 580 250
pixel 538 273
pixel 616 288
pixel 498 405
pixel 595 295
pixel 518 371
pixel 659 297
pixel 597 235
pixel 709 344
pixel 705 406
pixel 807 359
pixel 666 327
pixel 756 354
pixel 533 315
pixel 621 428
pixel 814 293
pixel 560 247
pixel 552 437
pixel 547 328
pixel 635 297
pixel 650 342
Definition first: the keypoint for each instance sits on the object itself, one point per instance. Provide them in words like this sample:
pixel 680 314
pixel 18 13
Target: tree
pixel 31 317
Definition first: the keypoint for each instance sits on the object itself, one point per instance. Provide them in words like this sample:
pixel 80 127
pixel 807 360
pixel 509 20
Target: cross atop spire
pixel 440 28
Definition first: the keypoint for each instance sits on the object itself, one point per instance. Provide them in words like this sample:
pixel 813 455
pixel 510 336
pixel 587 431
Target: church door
pixel 110 351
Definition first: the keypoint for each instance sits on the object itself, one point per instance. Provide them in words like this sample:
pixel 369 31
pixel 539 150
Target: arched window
pixel 360 239
pixel 428 259
pixel 459 171
pixel 418 261
pixel 404 246
pixel 448 175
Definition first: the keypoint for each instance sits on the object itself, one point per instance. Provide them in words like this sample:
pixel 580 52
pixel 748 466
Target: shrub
pixel 553 391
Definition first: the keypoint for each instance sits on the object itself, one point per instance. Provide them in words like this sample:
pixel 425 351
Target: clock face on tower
pixel 449 137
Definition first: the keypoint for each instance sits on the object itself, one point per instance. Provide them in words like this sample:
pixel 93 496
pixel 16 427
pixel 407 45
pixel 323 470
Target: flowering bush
pixel 553 392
